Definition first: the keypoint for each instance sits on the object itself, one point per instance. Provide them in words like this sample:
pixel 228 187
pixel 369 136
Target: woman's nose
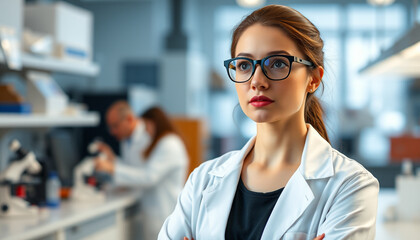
pixel 259 81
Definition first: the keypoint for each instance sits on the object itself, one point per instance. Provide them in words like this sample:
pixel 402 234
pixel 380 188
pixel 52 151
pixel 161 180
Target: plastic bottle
pixel 53 190
pixel 407 167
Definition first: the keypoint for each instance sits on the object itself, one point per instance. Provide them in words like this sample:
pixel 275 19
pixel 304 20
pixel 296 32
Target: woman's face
pixel 287 96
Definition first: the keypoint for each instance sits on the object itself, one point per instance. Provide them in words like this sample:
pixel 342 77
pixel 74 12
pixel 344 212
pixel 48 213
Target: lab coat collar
pixel 138 131
pixel 316 161
pixel 139 139
pixel 222 191
pixel 235 161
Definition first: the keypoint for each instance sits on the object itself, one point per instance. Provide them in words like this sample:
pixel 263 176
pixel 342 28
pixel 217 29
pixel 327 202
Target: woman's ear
pixel 315 79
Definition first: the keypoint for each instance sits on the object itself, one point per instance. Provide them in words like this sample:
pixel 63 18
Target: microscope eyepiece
pixel 16 147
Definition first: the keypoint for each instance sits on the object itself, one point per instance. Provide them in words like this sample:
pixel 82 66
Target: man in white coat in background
pixel 125 127
pixel 153 158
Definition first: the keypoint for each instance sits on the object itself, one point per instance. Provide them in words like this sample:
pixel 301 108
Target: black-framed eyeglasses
pixel 274 67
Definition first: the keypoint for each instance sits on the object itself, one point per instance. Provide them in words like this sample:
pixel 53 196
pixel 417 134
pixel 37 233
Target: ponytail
pixel 314 115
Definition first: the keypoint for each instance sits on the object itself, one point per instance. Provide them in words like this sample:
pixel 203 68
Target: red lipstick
pixel 260 101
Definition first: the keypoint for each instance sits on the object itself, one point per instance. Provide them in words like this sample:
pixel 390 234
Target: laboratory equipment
pixel 82 190
pixel 10 48
pixel 12 205
pixel 11 23
pixel 408 191
pixel 53 190
pixel 37 43
pixel 45 95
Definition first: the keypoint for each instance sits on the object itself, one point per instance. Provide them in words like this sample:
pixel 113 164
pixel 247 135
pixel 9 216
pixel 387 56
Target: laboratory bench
pixel 108 219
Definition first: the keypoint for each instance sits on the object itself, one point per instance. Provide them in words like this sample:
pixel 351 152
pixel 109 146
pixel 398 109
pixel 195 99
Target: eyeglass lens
pixel 275 67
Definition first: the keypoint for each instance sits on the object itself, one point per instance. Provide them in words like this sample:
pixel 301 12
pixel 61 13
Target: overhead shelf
pixel 57 65
pixel 41 121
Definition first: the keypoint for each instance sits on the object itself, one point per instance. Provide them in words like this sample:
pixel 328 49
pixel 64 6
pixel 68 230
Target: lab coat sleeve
pixel 179 224
pixel 352 214
pixel 168 155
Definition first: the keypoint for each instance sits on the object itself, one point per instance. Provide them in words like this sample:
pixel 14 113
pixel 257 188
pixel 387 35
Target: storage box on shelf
pixel 70 27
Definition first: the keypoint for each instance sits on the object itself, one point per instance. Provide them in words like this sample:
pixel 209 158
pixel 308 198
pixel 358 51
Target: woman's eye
pixel 243 66
pixel 279 64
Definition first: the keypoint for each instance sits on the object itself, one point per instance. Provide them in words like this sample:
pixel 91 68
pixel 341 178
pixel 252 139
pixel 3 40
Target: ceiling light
pixel 380 2
pixel 250 3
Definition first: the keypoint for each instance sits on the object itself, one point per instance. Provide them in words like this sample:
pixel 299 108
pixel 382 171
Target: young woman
pixel 287 182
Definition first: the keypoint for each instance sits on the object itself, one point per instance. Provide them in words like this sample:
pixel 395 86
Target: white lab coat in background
pixel 161 177
pixel 329 193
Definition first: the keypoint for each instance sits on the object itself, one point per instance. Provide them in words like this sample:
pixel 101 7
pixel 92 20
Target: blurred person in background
pixel 287 182
pixel 153 158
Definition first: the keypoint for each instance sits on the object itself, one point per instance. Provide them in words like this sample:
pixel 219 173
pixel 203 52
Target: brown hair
pixel 308 40
pixel 163 126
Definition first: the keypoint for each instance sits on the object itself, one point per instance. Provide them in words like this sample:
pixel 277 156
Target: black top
pixel 250 212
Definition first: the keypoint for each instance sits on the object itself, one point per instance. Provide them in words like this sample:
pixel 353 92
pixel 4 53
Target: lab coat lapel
pixel 218 197
pixel 316 163
pixel 293 201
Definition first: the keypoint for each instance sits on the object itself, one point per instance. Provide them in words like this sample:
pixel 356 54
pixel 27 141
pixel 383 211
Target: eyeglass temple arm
pixel 303 61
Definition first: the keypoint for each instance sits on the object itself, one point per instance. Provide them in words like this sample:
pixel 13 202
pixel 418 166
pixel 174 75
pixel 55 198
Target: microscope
pixel 11 206
pixel 83 190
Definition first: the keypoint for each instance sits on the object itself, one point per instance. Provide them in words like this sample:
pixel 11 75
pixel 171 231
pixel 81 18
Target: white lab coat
pixel 329 193
pixel 161 177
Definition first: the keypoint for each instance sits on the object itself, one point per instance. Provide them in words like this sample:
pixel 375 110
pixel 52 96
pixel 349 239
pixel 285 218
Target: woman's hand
pixel 320 237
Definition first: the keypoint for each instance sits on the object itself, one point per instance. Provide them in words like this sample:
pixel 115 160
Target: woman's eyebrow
pixel 268 54
pixel 279 52
pixel 244 55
